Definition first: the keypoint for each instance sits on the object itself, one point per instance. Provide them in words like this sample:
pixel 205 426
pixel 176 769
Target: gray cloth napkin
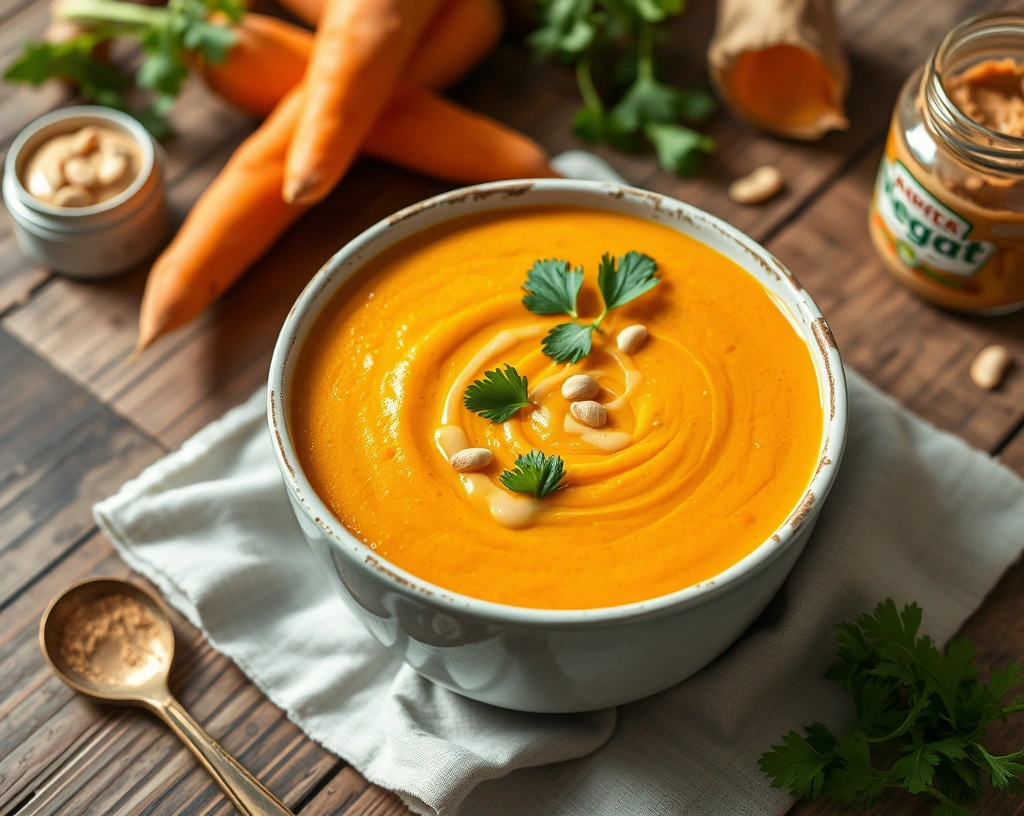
pixel 915 514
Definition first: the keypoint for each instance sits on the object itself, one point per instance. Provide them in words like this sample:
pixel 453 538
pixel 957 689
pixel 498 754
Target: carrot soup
pixel 557 408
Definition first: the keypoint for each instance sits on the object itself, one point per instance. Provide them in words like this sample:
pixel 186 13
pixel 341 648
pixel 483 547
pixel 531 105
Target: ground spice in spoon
pixel 110 640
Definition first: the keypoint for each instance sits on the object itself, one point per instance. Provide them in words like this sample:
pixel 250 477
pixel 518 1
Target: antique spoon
pixel 113 640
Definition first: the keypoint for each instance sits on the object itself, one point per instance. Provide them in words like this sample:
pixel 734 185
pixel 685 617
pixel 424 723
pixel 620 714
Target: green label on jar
pixel 926 233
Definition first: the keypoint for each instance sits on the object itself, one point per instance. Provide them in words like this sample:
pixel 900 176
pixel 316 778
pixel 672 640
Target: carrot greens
pixel 168 36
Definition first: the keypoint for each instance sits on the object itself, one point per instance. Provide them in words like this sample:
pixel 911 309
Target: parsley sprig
pixel 170 36
pixel 920 715
pixel 620 36
pixel 552 289
pixel 498 395
pixel 534 473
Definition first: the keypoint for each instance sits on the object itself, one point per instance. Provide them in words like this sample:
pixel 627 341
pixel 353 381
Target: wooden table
pixel 77 418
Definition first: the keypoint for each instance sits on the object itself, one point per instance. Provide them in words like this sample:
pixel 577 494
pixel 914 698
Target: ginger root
pixel 779 64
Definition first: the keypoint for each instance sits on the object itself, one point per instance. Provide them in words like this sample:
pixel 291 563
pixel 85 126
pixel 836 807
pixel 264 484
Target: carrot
pixel 267 60
pixel 233 223
pixel 451 142
pixel 308 11
pixel 360 49
pixel 270 55
pixel 242 214
pixel 478 22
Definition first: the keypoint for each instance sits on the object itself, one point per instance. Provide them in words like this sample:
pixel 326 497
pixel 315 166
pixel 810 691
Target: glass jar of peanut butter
pixel 947 215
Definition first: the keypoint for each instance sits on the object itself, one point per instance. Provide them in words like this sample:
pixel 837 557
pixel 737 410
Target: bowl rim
pixel 824 353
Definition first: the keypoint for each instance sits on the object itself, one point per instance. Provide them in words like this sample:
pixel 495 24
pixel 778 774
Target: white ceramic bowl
pixel 556 660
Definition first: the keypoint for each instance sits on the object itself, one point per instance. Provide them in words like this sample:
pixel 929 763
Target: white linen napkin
pixel 915 514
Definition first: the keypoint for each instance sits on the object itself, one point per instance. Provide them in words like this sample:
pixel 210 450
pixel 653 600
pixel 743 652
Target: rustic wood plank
pixel 60 451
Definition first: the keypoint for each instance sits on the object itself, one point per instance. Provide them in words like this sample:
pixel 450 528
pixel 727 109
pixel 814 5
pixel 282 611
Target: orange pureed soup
pixel 713 427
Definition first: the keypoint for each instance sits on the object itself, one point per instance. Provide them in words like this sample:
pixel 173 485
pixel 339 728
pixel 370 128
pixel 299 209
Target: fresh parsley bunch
pixel 920 715
pixel 168 36
pixel 611 43
pixel 552 288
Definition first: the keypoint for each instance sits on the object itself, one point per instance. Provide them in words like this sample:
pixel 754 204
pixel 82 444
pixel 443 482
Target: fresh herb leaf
pixel 534 473
pixel 171 37
pixel 611 44
pixel 72 60
pixel 679 149
pixel 626 281
pixel 695 104
pixel 647 100
pixel 920 713
pixel 498 395
pixel 796 765
pixel 568 342
pixel 552 287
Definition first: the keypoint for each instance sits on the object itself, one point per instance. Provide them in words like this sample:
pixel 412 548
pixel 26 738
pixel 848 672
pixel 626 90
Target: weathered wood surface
pixel 77 418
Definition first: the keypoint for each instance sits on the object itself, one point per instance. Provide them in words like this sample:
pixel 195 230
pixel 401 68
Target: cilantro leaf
pixel 611 44
pixel 679 149
pixel 920 713
pixel 796 765
pixel 552 288
pixel 917 769
pixel 647 100
pixel 71 60
pixel 498 395
pixel 633 276
pixel 568 342
pixel 695 104
pixel 1002 770
pixel 534 473
pixel 170 37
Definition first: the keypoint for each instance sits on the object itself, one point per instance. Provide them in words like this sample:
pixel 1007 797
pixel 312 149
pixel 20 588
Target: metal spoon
pixel 135 673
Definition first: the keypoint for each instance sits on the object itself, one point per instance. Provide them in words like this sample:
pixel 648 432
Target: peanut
pixel 85 141
pixel 590 413
pixel 72 196
pixel 580 387
pixel 758 186
pixel 79 170
pixel 990 366
pixel 112 167
pixel 47 179
pixel 471 459
pixel 631 338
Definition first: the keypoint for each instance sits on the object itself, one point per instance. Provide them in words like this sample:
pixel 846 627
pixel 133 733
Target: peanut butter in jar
pixel 947 215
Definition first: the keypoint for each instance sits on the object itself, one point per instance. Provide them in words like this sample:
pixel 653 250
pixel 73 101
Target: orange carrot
pixel 233 223
pixel 451 142
pixel 476 23
pixel 267 60
pixel 308 11
pixel 270 55
pixel 241 214
pixel 360 49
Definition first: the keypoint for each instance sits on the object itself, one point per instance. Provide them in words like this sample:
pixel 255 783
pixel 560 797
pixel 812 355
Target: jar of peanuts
pixel 84 188
pixel 948 210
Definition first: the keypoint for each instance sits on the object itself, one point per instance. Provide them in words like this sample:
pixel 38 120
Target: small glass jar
pixel 947 214
pixel 101 239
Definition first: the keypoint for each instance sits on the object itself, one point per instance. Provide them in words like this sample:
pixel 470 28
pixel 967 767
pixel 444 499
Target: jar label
pixel 927 234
